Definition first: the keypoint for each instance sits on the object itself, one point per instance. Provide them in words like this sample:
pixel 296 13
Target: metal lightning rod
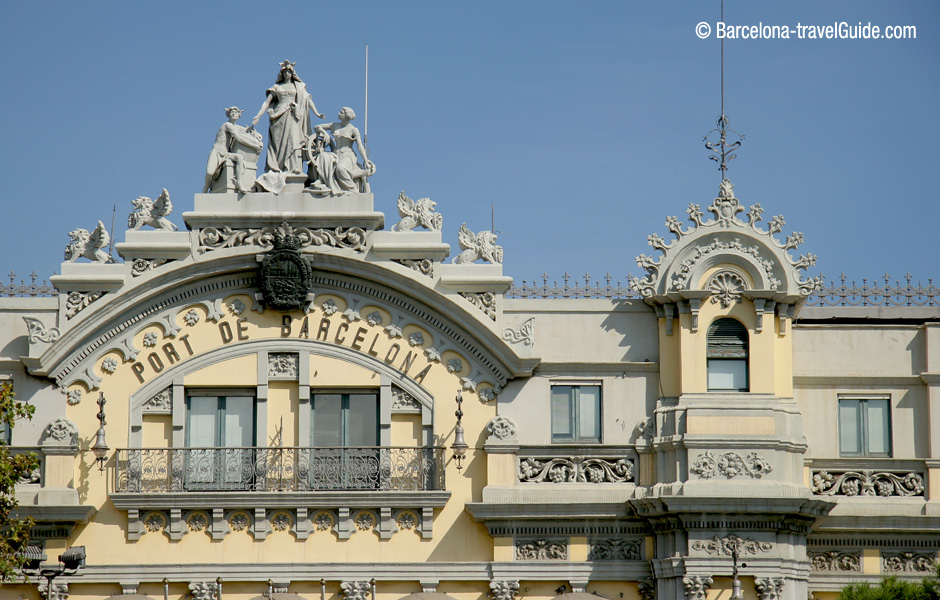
pixel 365 136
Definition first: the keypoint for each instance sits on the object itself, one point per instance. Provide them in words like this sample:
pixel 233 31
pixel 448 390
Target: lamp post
pixel 736 593
pixel 101 445
pixel 70 562
pixel 460 444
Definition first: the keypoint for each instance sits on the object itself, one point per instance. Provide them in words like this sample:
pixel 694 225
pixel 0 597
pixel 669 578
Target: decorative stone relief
pixel 432 354
pixel 73 397
pixel 415 339
pixel 417 213
pixel 154 522
pixel 616 549
pixel 487 394
pixel 647 588
pixel 324 521
pixel 475 247
pixel 725 208
pixel 724 546
pixel 575 469
pixel 726 287
pixel 237 307
pixel 365 520
pixel 109 365
pixel 76 302
pixel 908 562
pixel 89 245
pixel 283 364
pixel 329 307
pixel 696 586
pixel 393 331
pixel 769 588
pixel 407 520
pixel 645 429
pixel 485 301
pixel 403 401
pixel 730 464
pixel 161 402
pixel 835 561
pixel 211 238
pixel 867 483
pixel 531 549
pixel 468 384
pixel 150 339
pixel 197 521
pixel 525 333
pixel 504 590
pixel 425 266
pixel 152 213
pixel 191 317
pixel 454 365
pixel 37 332
pixel 204 590
pixel 60 590
pixel 142 265
pixel 285 275
pixel 62 431
pixel 354 590
pixel 281 521
pixel 239 521
pixel 374 318
pixel 351 314
pixel 501 428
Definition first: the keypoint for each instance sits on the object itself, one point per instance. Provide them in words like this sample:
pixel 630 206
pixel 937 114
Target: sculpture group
pixel 329 150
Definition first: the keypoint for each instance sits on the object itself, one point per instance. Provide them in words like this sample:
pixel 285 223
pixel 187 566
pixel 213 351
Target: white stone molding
pixel 867 483
pixel 525 333
pixel 37 332
pixel 504 590
pixel 575 469
pixel 485 301
pixel 283 365
pixel 353 238
pixel 730 464
pixel 417 213
pixel 727 287
pixel 696 586
pixel 425 266
pixel 76 302
pixel 403 402
pixel 725 546
pixel 769 588
pixel 476 247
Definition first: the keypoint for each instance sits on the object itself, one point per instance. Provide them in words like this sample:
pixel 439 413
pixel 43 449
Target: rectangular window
pixel 345 433
pixel 220 433
pixel 864 427
pixel 576 413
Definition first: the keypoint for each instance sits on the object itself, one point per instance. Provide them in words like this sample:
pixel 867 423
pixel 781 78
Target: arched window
pixel 727 356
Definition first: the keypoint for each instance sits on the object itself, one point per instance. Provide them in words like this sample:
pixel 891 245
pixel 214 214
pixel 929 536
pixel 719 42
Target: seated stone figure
pixel 336 171
pixel 233 160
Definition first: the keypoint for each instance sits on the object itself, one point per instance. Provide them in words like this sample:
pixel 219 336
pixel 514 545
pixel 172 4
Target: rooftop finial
pixel 728 139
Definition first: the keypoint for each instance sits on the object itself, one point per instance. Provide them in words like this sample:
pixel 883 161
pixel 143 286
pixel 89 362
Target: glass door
pixel 345 434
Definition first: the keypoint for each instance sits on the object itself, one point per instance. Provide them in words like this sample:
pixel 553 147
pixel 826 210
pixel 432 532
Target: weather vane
pixel 728 140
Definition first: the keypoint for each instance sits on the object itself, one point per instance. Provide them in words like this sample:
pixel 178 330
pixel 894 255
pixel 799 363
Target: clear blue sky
pixel 581 121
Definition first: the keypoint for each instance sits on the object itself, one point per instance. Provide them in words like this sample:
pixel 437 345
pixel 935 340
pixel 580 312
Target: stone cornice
pixel 202 500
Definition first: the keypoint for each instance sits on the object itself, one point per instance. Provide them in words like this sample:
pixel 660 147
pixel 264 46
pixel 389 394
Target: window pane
pixel 589 415
pixel 362 420
pixel 561 412
pixel 203 424
pixel 849 420
pixel 879 430
pixel 238 422
pixel 727 375
pixel 327 420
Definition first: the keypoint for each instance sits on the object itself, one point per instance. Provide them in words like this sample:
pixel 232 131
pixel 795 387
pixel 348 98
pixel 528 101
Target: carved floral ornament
pixel 725 239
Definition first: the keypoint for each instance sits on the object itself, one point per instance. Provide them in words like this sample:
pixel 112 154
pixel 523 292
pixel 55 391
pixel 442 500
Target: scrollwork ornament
pixel 525 333
pixel 485 301
pixel 867 483
pixel 62 431
pixel 730 464
pixel 541 549
pixel 835 561
pixel 616 549
pixel 76 302
pixel 908 562
pixel 37 332
pixel 726 546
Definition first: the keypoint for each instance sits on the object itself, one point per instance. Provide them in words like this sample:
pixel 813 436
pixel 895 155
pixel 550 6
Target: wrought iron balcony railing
pixel 164 470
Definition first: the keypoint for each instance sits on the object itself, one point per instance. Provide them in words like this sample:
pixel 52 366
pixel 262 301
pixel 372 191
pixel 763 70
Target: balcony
pixel 170 470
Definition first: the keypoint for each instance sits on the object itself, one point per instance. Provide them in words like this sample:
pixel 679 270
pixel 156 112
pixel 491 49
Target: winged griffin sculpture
pixel 89 245
pixel 482 245
pixel 148 212
pixel 418 213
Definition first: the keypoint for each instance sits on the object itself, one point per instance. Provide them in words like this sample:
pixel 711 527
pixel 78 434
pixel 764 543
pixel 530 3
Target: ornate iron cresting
pixel 571 288
pixel 25 290
pixel 162 470
pixel 876 294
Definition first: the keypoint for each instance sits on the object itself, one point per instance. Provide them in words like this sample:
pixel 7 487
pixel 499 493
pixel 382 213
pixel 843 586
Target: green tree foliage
pixel 892 588
pixel 14 533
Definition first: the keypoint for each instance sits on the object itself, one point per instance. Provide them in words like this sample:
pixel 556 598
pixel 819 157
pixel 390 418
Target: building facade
pixel 280 385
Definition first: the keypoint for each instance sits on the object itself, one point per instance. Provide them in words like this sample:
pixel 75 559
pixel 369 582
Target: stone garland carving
pixel 485 301
pixel 62 431
pixel 152 213
pixel 696 586
pixel 283 364
pixel 142 265
pixel 835 561
pixel 647 588
pixel 725 208
pixel 575 469
pixel 403 401
pixel 769 588
pixel 531 549
pixel 354 590
pixel 161 402
pixel 211 238
pixel 204 590
pixel 76 302
pixel 425 266
pixel 867 483
pixel 504 590
pixel 726 287
pixel 616 549
pixel 417 213
pixel 730 464
pixel 60 590
pixel 724 546
pixel 525 333
pixel 89 245
pixel 501 428
pixel 908 562
pixel 480 246
pixel 37 332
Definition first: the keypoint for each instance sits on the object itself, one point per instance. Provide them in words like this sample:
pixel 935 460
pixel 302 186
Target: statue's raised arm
pixel 287 104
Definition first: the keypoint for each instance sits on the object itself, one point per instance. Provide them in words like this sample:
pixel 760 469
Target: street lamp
pixel 736 593
pixel 101 445
pixel 460 444
pixel 70 562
